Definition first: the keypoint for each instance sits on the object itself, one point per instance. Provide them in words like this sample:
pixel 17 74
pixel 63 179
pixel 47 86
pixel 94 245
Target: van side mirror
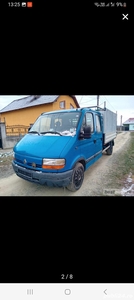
pixel 86 133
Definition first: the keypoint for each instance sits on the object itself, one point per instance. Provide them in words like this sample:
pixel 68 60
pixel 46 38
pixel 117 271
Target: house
pixel 129 124
pixel 25 111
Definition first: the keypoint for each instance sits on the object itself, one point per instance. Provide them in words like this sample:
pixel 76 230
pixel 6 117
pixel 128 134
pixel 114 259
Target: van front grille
pixel 28 164
pixel 37 165
pixel 25 173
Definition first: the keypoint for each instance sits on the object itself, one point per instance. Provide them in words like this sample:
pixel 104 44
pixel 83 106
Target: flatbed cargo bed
pixel 109 125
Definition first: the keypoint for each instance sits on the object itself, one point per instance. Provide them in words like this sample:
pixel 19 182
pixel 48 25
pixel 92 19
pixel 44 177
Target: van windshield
pixel 64 123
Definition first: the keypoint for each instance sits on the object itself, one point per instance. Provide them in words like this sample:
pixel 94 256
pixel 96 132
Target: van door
pixel 98 137
pixel 87 146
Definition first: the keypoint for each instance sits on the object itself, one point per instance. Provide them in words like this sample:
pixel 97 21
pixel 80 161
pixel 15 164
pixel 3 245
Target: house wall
pixel 24 116
pixel 131 126
pixel 28 115
pixel 68 100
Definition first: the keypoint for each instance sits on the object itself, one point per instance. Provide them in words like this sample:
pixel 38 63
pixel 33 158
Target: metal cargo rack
pixel 98 108
pixel 109 122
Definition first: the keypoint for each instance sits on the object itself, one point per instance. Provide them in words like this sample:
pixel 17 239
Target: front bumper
pixel 50 179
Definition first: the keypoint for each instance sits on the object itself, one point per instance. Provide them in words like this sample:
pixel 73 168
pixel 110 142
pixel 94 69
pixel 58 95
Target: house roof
pixel 129 121
pixel 33 101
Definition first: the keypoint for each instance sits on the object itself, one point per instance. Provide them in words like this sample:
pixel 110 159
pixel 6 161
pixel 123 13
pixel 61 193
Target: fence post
pixel 3 135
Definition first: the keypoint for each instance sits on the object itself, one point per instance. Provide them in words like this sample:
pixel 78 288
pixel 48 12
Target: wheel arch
pixel 82 161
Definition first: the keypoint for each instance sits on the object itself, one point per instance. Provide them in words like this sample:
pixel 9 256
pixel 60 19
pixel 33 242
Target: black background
pixel 43 238
pixel 79 49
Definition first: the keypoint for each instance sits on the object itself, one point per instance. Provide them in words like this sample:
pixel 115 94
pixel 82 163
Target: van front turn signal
pixel 53 163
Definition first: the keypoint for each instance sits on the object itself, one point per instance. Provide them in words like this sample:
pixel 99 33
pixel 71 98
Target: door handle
pixel 94 141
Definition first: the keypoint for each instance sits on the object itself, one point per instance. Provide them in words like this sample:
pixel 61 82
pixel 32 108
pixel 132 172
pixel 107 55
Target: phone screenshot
pixel 66 185
pixel 66 161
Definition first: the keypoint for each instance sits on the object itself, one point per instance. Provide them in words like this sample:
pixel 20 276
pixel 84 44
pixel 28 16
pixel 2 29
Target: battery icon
pixel 29 4
pixel 23 4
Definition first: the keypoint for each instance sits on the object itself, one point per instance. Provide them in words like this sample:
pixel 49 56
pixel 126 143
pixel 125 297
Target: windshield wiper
pixel 34 132
pixel 52 132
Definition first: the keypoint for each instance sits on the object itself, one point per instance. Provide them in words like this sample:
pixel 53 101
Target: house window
pixel 71 106
pixel 62 104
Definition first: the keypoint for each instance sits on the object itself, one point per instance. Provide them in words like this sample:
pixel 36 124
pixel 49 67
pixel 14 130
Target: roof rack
pixel 98 108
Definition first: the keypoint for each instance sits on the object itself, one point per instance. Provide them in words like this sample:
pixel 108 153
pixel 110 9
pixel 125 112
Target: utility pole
pixel 97 101
pixel 121 124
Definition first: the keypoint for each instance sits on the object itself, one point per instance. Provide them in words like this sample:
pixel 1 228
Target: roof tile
pixel 28 102
pixel 32 101
pixel 129 121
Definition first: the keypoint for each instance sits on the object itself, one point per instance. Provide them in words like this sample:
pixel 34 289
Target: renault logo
pixel 24 161
pixel 34 165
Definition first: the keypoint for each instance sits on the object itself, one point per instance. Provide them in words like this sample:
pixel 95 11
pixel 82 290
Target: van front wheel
pixel 77 178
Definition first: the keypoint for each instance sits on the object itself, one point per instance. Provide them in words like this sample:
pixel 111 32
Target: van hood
pixel 42 146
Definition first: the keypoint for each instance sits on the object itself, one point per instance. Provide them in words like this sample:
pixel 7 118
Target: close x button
pixel 125 17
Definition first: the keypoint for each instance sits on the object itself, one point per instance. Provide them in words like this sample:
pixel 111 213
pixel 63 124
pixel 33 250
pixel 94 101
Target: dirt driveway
pixel 95 179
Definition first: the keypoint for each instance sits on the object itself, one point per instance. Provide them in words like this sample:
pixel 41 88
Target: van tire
pixel 110 150
pixel 77 178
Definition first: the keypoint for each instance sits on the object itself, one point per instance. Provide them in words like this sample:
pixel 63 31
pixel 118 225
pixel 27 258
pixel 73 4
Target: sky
pixel 124 105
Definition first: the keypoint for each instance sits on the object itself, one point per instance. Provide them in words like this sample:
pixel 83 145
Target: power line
pixel 80 99
pixel 101 103
pixel 87 101
pixel 109 103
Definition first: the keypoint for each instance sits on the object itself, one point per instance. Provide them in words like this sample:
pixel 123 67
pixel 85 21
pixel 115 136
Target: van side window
pixel 89 121
pixel 98 127
pixel 83 123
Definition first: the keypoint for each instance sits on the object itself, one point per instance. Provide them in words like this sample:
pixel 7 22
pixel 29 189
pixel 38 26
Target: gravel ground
pixel 5 163
pixel 97 177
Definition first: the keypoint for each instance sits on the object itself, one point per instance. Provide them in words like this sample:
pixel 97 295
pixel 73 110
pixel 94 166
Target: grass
pixel 123 166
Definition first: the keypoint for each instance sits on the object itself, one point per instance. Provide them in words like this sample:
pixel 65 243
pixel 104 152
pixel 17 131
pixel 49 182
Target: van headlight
pixel 53 163
pixel 13 155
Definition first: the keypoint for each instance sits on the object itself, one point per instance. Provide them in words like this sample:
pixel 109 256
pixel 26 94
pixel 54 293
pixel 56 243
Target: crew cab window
pixel 98 126
pixel 89 121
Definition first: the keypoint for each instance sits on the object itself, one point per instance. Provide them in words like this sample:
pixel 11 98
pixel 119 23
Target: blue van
pixel 60 146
